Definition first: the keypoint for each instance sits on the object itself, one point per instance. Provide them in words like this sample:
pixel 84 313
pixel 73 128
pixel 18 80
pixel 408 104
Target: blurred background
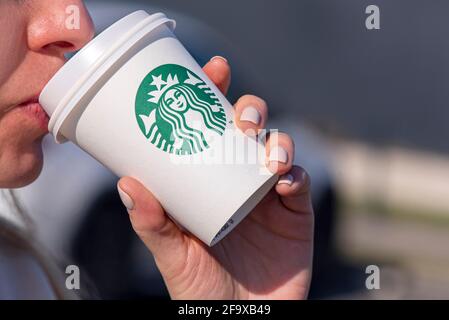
pixel 368 112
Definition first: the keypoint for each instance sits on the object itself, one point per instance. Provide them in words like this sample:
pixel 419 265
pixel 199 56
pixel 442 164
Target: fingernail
pixel 219 57
pixel 250 114
pixel 278 154
pixel 126 199
pixel 286 179
pixel 250 132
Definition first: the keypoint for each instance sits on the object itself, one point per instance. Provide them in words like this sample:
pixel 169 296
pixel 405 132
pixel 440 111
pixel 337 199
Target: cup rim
pixel 137 25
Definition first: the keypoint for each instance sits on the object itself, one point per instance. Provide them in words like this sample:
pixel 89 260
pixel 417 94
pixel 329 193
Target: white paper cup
pixel 137 101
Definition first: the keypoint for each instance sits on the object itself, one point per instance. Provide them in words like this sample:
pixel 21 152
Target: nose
pixel 61 27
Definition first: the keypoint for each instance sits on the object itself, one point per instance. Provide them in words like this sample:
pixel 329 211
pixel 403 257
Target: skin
pixel 267 256
pixel 33 41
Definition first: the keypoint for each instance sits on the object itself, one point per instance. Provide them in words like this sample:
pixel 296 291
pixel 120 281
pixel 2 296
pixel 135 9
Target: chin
pixel 25 169
pixel 30 175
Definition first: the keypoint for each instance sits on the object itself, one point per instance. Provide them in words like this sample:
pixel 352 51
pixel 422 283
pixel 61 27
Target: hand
pixel 267 256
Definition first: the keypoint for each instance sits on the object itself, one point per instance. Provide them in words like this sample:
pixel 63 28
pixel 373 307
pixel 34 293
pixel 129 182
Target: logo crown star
pixel 163 85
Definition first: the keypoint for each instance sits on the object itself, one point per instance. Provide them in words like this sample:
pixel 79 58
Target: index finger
pixel 219 71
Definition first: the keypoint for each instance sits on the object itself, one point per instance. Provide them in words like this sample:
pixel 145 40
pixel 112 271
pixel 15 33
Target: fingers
pixel 251 114
pixel 294 190
pixel 279 150
pixel 160 234
pixel 219 71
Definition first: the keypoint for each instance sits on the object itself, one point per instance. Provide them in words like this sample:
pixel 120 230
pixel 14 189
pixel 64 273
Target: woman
pixel 268 255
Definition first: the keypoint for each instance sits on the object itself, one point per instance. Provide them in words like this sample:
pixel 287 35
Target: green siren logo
pixel 177 111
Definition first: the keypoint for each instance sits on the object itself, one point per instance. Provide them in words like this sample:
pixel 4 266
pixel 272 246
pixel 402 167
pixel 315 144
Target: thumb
pixel 161 235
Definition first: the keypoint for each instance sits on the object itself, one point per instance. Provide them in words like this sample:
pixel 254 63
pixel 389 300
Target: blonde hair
pixel 22 236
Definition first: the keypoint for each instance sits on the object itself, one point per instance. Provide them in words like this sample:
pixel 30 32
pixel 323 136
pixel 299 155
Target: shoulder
pixel 21 276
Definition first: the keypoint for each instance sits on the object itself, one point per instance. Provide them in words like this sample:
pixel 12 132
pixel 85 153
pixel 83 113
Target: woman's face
pixel 34 36
pixel 175 100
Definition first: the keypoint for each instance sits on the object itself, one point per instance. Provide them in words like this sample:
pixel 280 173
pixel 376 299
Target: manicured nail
pixel 286 179
pixel 250 114
pixel 126 199
pixel 278 154
pixel 219 57
pixel 250 132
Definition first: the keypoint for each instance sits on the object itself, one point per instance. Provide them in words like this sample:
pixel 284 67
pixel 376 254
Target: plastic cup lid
pixel 77 70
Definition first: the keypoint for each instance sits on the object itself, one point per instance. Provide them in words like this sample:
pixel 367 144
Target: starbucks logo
pixel 177 111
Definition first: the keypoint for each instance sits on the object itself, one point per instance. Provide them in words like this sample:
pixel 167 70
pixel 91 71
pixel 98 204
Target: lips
pixel 35 111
